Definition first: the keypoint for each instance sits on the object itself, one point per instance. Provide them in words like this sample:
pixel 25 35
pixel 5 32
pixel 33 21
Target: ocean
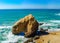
pixel 8 17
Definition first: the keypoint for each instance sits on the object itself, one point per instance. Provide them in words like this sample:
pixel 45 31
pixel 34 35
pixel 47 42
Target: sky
pixel 29 4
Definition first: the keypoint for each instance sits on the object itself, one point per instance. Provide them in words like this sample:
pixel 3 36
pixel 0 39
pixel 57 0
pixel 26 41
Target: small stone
pixel 29 40
pixel 36 37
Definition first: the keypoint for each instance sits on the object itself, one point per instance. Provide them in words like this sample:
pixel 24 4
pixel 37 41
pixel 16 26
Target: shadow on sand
pixel 38 33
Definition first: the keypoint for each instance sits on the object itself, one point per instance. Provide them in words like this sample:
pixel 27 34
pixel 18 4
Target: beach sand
pixel 52 37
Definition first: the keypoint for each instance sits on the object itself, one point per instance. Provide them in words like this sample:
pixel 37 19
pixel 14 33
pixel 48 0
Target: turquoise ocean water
pixel 9 16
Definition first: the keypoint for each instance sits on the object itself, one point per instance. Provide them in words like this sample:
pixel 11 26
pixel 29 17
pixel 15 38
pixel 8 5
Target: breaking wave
pixel 6 36
pixel 58 14
pixel 55 21
pixel 5 26
pixel 14 39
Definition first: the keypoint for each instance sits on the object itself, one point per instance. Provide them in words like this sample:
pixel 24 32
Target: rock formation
pixel 28 25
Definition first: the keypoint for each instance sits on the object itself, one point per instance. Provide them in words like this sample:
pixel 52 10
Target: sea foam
pixel 6 33
pixel 5 26
pixel 14 38
pixel 58 14
pixel 55 21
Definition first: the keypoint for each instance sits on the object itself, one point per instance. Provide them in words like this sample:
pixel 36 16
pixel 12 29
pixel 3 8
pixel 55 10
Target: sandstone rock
pixel 28 25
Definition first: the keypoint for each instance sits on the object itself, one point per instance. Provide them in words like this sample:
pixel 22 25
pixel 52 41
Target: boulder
pixel 28 25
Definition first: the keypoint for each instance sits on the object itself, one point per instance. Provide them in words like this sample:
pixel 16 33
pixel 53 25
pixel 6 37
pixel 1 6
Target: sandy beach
pixel 52 37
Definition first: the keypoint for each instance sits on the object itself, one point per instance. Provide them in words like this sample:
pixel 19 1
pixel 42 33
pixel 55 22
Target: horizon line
pixel 41 8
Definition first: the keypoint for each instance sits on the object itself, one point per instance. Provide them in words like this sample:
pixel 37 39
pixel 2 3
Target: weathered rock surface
pixel 28 25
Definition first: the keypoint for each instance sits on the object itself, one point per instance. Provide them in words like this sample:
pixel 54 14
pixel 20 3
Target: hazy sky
pixel 29 4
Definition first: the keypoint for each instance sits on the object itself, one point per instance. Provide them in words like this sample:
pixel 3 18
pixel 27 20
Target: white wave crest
pixel 14 39
pixel 5 27
pixel 58 14
pixel 55 21
pixel 48 24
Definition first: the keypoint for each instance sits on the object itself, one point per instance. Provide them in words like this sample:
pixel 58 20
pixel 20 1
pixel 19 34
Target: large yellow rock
pixel 27 24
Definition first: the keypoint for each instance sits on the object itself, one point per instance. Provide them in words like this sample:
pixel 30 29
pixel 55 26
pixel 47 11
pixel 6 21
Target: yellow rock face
pixel 27 24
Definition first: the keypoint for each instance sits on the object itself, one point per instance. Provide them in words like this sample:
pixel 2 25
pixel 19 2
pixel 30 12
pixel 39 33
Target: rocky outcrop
pixel 28 25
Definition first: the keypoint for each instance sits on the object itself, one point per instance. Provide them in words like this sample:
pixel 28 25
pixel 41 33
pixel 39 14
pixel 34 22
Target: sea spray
pixel 14 38
pixel 6 35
